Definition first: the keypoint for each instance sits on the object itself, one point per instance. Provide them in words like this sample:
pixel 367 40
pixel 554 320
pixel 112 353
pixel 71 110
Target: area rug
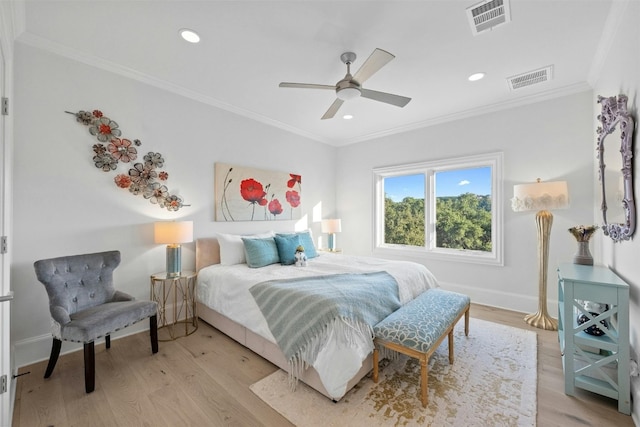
pixel 491 383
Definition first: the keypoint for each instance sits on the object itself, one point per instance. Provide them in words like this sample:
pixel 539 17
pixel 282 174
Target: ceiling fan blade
pixel 374 62
pixel 389 98
pixel 306 86
pixel 333 109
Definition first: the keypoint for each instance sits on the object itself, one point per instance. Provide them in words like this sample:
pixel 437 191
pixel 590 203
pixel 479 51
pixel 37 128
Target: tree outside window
pixel 444 209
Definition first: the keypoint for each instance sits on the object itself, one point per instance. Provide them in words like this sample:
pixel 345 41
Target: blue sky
pixel 448 183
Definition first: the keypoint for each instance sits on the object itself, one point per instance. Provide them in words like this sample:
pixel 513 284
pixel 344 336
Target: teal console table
pixel 599 364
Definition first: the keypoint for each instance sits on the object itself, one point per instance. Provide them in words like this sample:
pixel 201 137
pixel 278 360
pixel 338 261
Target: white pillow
pixel 232 247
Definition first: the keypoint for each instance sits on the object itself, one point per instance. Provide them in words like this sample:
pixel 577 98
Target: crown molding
pixel 609 33
pixel 100 63
pixel 473 112
pixel 33 40
pixel 12 23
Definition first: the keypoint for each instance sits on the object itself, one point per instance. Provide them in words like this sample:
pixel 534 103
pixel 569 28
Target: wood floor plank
pixel 204 379
pixel 41 402
pixel 205 390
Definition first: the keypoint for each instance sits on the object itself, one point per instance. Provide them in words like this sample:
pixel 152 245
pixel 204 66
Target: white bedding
pixel 225 289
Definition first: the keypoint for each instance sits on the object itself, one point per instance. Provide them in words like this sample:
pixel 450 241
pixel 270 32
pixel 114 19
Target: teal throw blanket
pixel 300 311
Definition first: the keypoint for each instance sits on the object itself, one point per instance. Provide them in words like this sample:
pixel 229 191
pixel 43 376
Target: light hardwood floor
pixel 203 380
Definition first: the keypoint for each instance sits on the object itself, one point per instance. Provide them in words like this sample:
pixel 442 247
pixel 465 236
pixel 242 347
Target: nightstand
pixel 336 251
pixel 176 298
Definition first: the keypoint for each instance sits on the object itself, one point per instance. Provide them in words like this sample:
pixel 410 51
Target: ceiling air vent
pixel 530 78
pixel 487 15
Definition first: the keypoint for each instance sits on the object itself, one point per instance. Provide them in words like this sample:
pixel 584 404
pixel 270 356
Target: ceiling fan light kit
pixel 348 93
pixel 350 87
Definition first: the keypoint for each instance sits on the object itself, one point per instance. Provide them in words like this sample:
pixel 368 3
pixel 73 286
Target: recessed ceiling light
pixel 348 116
pixel 189 35
pixel 476 77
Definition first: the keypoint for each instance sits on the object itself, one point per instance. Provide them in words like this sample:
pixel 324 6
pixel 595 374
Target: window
pixel 447 209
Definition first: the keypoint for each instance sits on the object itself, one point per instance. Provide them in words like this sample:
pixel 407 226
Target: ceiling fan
pixel 350 87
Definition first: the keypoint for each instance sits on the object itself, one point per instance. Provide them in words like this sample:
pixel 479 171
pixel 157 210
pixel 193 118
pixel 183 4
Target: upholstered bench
pixel 417 329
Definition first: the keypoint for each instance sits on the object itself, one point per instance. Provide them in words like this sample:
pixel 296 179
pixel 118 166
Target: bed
pixel 225 301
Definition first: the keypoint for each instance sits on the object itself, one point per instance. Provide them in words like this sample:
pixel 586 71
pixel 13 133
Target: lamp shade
pixel 331 226
pixel 172 232
pixel 540 196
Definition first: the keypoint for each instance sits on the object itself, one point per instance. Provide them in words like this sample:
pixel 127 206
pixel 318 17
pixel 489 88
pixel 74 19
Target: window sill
pixel 420 254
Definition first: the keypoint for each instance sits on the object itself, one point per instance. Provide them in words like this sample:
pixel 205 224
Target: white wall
pixel 64 205
pixel 551 140
pixel 621 75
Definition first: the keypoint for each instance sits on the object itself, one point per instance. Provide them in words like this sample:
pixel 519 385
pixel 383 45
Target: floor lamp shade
pixel 331 227
pixel 173 233
pixel 542 197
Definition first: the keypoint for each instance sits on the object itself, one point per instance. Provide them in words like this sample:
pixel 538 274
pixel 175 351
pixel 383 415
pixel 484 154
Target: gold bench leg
pixel 422 357
pixel 424 370
pixel 375 364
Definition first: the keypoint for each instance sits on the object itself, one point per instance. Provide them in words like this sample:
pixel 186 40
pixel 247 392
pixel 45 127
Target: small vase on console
pixel 583 234
pixel 584 255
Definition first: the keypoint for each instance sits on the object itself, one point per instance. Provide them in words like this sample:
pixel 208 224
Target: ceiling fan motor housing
pixel 347 89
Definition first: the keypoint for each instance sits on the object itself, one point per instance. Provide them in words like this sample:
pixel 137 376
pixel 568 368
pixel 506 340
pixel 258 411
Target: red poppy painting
pixel 249 194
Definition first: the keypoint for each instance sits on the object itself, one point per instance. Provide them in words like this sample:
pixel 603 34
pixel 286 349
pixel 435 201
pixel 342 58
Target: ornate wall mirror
pixel 615 154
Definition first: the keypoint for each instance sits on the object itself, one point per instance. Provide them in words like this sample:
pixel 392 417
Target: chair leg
pixel 107 341
pixel 53 358
pixel 89 367
pixel 153 332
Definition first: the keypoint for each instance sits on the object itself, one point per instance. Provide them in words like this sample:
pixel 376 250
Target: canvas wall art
pixel 250 194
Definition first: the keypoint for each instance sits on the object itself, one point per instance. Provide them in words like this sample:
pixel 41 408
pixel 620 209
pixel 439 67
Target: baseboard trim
pixel 36 349
pixel 504 300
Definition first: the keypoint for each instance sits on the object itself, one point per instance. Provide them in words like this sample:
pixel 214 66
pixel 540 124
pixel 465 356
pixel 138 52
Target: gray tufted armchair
pixel 85 306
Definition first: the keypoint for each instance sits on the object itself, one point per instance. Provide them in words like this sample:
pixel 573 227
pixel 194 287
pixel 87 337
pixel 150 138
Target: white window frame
pixel 492 160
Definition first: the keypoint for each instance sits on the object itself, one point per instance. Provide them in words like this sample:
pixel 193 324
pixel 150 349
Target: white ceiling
pixel 248 47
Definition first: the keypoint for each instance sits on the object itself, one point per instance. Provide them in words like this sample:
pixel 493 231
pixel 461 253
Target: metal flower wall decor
pixel 142 178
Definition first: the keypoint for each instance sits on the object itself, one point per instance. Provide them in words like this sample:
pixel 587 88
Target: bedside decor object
pixel 542 197
pixel 250 194
pixel 173 233
pixel 582 234
pixel 616 168
pixel 331 227
pixel 301 258
pixel 142 178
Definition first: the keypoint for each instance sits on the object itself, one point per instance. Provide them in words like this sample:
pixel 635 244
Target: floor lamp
pixel 542 197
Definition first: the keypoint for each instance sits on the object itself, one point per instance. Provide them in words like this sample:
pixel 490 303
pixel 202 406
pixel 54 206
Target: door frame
pixel 10 16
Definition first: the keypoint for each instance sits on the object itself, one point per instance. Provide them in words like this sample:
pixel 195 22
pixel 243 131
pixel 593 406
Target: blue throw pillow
pixel 260 252
pixel 306 241
pixel 287 248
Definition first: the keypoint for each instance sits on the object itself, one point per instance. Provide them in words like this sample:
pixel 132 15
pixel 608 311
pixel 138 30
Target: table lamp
pixel 173 233
pixel 542 197
pixel 331 227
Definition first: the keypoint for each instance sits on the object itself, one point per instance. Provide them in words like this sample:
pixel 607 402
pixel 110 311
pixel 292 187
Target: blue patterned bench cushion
pixel 420 323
